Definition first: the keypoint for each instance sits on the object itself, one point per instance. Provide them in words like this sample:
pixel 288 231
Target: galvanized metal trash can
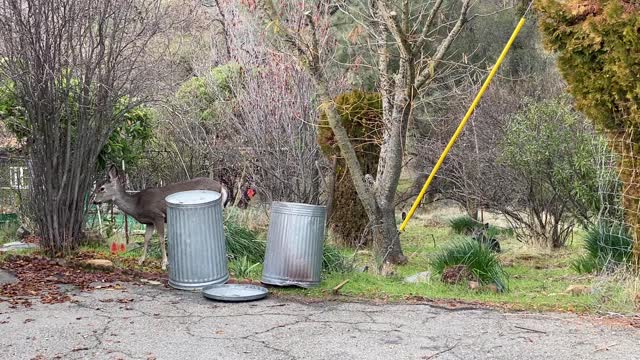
pixel 294 244
pixel 197 250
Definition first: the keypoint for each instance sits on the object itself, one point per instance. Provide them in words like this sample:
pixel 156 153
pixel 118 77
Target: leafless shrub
pixel 78 66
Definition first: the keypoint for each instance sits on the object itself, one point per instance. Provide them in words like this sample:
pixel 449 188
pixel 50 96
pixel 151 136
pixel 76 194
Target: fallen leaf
pixel 38 277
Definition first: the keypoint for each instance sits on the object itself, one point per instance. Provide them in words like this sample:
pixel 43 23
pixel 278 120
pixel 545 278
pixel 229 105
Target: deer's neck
pixel 125 202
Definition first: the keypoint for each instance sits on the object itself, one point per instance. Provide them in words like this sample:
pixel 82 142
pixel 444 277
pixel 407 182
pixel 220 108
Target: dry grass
pixel 617 291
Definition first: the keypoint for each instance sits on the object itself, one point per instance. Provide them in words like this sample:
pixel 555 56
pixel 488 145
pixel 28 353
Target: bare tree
pixel 275 123
pixel 77 66
pixel 254 128
pixel 411 41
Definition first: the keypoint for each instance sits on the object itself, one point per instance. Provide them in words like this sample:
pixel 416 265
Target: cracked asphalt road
pixel 146 322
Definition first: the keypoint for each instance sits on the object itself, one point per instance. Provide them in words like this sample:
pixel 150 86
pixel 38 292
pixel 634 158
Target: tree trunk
pixel 386 237
pixel 472 208
pixel 239 194
pixel 58 207
pixel 314 191
pixel 331 187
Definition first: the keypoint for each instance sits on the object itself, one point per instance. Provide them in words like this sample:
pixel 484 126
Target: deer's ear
pixel 113 173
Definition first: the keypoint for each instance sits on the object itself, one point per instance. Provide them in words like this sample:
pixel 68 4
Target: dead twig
pixel 337 288
pixel 440 352
pixel 532 330
pixel 605 348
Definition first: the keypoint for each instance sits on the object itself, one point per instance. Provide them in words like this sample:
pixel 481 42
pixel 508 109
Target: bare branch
pixel 392 23
pixel 328 106
pixel 427 26
pixel 428 73
pixel 272 20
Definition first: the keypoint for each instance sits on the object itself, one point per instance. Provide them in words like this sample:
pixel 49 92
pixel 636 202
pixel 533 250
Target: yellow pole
pixel 462 123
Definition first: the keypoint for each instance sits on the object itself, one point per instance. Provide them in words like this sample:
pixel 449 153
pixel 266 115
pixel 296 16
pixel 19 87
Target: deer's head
pixel 108 189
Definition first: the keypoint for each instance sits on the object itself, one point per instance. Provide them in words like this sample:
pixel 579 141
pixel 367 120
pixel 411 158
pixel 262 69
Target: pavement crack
pixel 277 327
pixel 268 346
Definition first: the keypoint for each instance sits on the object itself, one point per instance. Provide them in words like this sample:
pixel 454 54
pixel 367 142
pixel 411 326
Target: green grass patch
pixel 4 255
pixel 478 259
pixel 606 246
pixel 537 278
pixel 464 225
pixel 335 260
pixel 242 268
pixel 243 243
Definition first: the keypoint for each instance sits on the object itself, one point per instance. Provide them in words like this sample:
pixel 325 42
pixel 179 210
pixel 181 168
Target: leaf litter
pixel 41 277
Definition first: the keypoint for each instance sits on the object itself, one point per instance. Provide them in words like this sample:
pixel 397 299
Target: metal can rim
pixel 192 206
pixel 276 280
pixel 284 207
pixel 183 285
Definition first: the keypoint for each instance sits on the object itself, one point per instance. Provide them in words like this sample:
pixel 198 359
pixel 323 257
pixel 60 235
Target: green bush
pixel 335 261
pixel 205 96
pixel 242 268
pixel 554 159
pixel 596 42
pixel 606 246
pixel 585 265
pixel 243 243
pixel 464 225
pixel 479 260
pixel 127 141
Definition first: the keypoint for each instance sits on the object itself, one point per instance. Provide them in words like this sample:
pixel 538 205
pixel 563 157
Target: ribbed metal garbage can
pixel 197 251
pixel 294 244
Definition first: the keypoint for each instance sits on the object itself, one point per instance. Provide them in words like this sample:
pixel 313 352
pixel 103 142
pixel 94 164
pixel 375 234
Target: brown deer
pixel 149 206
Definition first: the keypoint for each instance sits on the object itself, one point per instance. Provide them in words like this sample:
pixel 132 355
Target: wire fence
pixel 14 184
pixel 609 244
pixel 14 191
pixel 618 190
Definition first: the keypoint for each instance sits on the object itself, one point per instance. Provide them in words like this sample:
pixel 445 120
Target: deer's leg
pixel 147 237
pixel 163 244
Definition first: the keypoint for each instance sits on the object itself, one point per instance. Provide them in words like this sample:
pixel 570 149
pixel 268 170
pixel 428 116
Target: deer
pixel 148 206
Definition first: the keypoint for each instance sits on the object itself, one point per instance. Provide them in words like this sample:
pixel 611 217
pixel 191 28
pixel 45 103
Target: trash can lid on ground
pixel 193 197
pixel 235 292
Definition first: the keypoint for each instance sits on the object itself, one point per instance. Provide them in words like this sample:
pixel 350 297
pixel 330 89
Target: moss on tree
pixel 361 115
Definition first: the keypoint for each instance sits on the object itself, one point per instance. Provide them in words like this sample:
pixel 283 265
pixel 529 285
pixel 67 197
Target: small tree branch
pixel 406 14
pixel 427 27
pixel 272 20
pixel 314 55
pixel 385 76
pixel 391 20
pixel 428 73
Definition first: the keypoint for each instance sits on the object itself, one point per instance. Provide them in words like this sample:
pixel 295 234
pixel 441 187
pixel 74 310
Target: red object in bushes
pixel 114 248
pixel 123 248
pixel 250 193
